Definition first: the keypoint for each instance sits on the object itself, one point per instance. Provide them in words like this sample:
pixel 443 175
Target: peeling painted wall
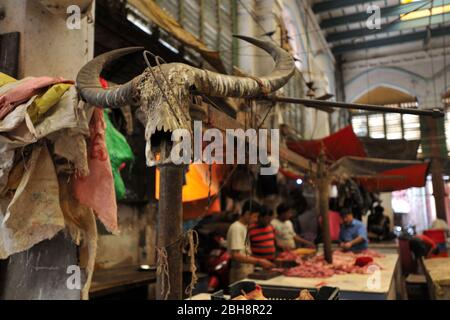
pixel 136 242
pixel 47 46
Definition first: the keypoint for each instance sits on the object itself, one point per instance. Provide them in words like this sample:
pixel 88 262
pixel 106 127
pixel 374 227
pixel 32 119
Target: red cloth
pixel 335 224
pixel 408 177
pixel 340 144
pixel 24 91
pixel 427 240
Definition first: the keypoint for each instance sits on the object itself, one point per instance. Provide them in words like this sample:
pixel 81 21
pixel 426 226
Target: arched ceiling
pixel 385 95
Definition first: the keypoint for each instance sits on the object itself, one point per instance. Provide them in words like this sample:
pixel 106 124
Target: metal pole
pixel 170 228
pixel 323 184
pixel 436 113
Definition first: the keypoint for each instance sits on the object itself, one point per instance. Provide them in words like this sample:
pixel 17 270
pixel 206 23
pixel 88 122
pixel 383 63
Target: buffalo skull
pixel 164 92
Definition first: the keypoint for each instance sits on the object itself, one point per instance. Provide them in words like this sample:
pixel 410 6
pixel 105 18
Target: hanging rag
pixel 96 190
pixel 24 91
pixel 80 222
pixel 33 213
pixel 5 79
pixel 44 102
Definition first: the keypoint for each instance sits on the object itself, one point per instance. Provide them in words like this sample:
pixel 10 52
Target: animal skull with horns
pixel 163 92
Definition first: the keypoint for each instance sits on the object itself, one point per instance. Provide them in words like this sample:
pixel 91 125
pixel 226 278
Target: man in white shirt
pixel 285 237
pixel 242 263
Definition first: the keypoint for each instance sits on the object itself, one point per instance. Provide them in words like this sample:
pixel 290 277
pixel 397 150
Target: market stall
pixel 378 286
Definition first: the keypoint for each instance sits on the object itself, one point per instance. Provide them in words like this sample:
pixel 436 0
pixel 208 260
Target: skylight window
pixel 423 13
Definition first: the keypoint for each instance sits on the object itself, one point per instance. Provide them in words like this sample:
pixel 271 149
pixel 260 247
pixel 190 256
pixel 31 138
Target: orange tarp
pixel 166 22
pixel 197 182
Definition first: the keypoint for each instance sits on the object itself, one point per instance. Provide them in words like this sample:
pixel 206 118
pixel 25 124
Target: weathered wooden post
pixel 323 185
pixel 170 229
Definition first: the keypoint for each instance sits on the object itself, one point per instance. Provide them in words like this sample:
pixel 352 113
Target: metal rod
pixel 435 113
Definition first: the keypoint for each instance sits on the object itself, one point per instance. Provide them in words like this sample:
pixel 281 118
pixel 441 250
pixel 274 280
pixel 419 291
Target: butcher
pixel 242 261
pixel 353 234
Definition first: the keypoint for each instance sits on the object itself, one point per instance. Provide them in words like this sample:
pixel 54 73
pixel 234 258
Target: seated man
pixel 353 234
pixel 242 262
pixel 379 225
pixel 262 235
pixel 285 237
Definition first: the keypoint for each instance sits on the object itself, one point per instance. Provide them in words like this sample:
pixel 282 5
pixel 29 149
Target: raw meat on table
pixel 343 263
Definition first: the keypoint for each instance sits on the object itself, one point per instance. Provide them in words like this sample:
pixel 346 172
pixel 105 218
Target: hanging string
pixel 209 188
pixel 162 270
pixel 193 243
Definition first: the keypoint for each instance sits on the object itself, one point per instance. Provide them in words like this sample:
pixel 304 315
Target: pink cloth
pixel 97 189
pixel 24 91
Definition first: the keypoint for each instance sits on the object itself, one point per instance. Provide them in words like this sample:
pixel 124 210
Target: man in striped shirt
pixel 262 235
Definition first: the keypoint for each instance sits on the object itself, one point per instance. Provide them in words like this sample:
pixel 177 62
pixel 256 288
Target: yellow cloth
pixel 47 100
pixel 5 79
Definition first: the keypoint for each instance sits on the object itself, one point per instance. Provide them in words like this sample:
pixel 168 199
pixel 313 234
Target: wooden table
pixel 438 277
pixel 112 281
pixel 384 246
pixel 201 296
pixel 352 286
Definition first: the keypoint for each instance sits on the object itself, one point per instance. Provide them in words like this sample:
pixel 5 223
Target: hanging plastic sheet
pixel 382 175
pixel 340 144
pixel 120 154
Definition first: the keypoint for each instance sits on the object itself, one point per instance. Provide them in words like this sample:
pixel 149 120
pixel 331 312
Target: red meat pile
pixel 287 256
pixel 343 262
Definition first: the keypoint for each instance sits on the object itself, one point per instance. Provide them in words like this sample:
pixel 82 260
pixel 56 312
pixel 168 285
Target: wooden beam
pixel 9 53
pixel 170 231
pixel 437 169
pixel 435 113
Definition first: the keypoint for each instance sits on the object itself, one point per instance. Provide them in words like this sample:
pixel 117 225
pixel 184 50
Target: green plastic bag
pixel 119 153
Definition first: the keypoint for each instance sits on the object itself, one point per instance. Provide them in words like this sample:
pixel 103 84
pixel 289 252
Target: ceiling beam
pixel 416 36
pixel 391 11
pixel 336 4
pixel 399 25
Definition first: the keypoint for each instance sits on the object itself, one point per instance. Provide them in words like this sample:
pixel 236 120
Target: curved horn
pixel 90 88
pixel 207 82
pixel 220 85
